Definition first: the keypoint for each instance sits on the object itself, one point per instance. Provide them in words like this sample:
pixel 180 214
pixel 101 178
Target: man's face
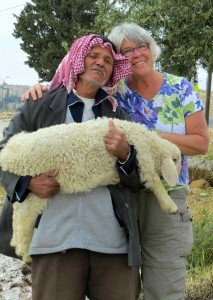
pixel 98 66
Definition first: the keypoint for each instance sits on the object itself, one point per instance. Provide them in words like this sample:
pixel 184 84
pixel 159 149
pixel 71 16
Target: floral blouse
pixel 166 112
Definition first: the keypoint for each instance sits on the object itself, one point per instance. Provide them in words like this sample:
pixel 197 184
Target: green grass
pixel 200 262
pixel 202 253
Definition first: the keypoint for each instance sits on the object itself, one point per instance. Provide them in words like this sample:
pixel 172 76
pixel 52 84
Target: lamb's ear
pixel 169 171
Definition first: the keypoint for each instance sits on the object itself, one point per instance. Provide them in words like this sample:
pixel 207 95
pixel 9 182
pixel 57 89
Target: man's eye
pixel 109 61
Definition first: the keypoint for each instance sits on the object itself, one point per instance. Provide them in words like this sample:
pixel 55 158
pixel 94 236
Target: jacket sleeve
pixel 130 179
pixel 18 123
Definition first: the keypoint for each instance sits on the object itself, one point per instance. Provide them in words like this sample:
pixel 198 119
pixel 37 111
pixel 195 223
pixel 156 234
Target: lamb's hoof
pixel 173 209
pixel 170 207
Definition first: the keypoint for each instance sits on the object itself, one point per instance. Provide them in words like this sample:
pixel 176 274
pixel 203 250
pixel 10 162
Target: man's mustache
pixel 97 68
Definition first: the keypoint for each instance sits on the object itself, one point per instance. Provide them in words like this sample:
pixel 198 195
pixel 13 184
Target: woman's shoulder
pixel 178 83
pixel 174 79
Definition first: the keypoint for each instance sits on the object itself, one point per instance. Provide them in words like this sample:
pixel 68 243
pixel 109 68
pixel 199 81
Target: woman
pixel 169 105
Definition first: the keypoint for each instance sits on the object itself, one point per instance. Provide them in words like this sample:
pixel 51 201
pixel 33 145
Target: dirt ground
pixel 15 281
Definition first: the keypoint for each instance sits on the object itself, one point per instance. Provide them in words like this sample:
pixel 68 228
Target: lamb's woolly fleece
pixel 78 151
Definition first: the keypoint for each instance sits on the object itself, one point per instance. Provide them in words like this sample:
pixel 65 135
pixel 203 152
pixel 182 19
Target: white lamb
pixel 78 152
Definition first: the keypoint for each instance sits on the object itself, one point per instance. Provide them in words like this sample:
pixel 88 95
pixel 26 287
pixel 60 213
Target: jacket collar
pixel 56 100
pixel 73 97
pixel 103 101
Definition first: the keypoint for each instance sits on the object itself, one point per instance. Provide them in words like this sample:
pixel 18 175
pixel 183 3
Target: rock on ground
pixel 15 279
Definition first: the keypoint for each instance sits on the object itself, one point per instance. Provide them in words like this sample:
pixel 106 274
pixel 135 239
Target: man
pixel 79 246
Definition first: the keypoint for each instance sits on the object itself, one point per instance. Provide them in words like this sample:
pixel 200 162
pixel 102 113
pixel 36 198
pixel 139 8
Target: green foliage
pixel 45 27
pixel 183 30
pixel 202 252
pixel 109 14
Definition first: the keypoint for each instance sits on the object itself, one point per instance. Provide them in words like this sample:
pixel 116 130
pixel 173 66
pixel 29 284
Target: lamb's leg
pixel 22 231
pixel 24 217
pixel 165 201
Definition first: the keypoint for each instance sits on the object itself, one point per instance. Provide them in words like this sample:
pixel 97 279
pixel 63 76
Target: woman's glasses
pixel 127 52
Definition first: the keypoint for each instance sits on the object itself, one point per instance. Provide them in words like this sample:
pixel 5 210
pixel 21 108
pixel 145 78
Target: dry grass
pixel 6 116
pixel 200 285
pixel 200 200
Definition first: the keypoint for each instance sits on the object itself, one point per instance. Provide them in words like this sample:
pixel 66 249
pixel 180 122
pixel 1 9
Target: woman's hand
pixel 35 92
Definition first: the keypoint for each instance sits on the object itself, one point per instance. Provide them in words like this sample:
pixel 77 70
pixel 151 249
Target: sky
pixel 12 58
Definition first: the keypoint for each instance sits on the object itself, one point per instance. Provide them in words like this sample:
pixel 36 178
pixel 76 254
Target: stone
pixel 199 184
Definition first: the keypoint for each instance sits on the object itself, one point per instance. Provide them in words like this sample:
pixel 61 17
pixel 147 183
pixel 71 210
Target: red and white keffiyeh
pixel 73 64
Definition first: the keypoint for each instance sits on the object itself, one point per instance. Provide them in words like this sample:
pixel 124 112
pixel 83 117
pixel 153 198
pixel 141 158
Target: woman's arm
pixel 36 91
pixel 196 139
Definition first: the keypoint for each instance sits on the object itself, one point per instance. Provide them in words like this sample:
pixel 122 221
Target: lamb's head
pixel 169 158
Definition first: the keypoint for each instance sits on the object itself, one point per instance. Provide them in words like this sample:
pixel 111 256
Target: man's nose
pixel 100 61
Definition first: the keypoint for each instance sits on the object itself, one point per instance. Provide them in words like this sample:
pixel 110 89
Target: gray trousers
pixel 72 275
pixel 166 240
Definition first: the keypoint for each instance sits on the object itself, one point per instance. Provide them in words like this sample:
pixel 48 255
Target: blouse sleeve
pixel 190 99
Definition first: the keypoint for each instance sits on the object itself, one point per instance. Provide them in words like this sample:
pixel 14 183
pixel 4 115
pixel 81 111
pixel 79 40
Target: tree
pixel 185 32
pixel 182 28
pixel 48 27
pixel 109 14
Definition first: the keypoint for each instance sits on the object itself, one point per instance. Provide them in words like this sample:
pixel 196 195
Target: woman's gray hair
pixel 136 33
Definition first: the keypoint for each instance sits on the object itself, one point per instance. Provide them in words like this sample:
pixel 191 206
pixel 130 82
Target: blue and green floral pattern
pixel 166 112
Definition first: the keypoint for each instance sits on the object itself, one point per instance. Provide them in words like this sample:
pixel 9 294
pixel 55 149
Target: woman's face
pixel 140 57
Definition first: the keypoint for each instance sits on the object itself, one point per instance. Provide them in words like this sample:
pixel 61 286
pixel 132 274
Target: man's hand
pixel 35 92
pixel 44 185
pixel 116 143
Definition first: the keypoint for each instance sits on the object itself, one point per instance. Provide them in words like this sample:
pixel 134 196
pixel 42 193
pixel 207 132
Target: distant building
pixel 10 96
